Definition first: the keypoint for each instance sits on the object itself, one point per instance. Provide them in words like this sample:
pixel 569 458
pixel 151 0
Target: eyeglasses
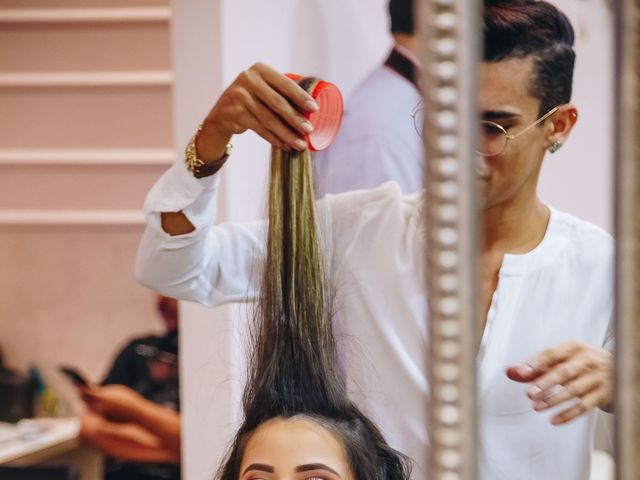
pixel 493 137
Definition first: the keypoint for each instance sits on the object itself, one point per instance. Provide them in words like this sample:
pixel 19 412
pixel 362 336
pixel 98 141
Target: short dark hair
pixel 537 29
pixel 401 14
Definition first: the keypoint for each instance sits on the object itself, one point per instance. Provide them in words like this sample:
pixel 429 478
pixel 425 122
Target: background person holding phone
pixel 133 416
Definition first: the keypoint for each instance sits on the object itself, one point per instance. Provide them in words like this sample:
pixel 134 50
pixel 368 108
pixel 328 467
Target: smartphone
pixel 76 377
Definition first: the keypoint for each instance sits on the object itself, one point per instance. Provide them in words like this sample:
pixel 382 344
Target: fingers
pixel 543 362
pixel 280 95
pixel 560 374
pixel 271 127
pixel 591 400
pixel 88 394
pixel 92 400
pixel 522 373
pixel 571 371
pixel 265 101
pixel 286 87
pixel 553 356
pixel 255 125
pixel 277 103
pixel 578 387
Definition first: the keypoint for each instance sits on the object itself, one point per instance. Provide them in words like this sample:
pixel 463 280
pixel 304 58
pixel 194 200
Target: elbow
pixel 143 274
pixel 143 271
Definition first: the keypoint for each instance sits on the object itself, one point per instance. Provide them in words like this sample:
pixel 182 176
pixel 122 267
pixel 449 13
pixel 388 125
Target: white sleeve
pixel 212 265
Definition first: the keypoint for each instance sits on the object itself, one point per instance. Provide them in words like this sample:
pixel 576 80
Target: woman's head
pixel 297 448
pixel 347 448
pixel 296 394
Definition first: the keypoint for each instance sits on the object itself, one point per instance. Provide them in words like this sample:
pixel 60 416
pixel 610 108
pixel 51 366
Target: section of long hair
pixel 294 369
pixel 294 366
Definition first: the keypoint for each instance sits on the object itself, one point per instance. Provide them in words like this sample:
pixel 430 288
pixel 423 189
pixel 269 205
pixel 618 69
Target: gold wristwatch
pixel 197 167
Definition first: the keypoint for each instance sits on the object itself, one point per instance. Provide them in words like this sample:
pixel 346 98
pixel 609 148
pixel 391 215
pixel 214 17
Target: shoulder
pixel 586 242
pixel 380 99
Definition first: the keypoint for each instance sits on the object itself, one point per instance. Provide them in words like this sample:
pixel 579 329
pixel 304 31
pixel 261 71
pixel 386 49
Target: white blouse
pixel 375 247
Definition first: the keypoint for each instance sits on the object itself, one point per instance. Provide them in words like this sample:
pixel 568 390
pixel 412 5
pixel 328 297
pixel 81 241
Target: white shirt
pixel 375 245
pixel 377 141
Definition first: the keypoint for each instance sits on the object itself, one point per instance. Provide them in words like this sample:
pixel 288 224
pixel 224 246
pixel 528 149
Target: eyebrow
pixel 501 114
pixel 259 466
pixel 316 466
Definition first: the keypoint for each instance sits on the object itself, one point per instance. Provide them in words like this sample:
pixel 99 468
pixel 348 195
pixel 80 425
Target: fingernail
pixel 306 126
pixel 525 370
pixel 533 391
pixel 311 105
pixel 300 144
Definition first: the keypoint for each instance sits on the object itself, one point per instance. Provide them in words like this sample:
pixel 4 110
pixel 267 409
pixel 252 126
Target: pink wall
pixel 78 151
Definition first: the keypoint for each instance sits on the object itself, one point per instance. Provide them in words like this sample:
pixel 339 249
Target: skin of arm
pixel 125 441
pixel 122 405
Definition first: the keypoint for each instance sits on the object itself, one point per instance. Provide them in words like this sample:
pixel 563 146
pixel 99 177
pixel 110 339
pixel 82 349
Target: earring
pixel 555 146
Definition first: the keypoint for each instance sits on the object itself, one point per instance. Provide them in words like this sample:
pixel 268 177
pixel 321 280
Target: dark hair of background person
pixel 537 29
pixel 401 15
pixel 294 369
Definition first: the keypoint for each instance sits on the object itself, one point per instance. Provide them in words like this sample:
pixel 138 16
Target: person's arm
pixel 125 441
pixel 123 405
pixel 182 254
pixel 161 421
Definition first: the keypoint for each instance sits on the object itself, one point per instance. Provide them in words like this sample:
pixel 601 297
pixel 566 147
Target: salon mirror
pixel 606 36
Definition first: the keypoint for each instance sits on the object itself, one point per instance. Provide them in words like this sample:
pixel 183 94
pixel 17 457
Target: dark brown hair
pixel 401 16
pixel 294 370
pixel 537 29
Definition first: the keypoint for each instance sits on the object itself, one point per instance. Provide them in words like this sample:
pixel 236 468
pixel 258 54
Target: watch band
pixel 199 168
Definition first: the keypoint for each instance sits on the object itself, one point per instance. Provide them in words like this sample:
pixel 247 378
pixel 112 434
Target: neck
pixel 410 42
pixel 515 227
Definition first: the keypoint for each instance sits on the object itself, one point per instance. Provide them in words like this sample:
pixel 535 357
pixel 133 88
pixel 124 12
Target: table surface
pixel 33 440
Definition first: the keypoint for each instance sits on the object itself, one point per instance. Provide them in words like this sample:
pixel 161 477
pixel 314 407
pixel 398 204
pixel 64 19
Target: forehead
pixel 505 85
pixel 287 443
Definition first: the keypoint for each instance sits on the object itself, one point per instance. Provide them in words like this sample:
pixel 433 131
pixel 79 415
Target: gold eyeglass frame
pixel 507 137
pixel 514 136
